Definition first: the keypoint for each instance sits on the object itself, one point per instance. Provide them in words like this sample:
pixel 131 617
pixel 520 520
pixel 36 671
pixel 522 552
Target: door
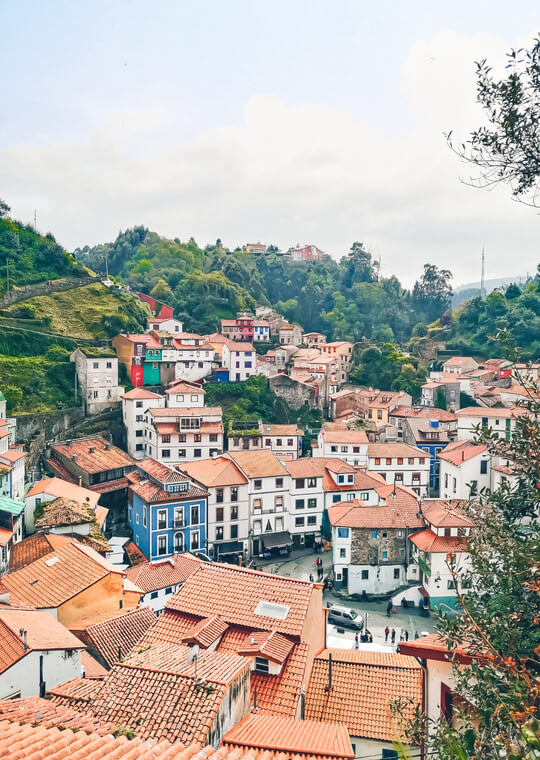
pixel 345 577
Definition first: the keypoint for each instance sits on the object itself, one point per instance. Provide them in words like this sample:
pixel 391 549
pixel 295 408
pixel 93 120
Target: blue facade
pixel 222 375
pixel 165 528
pixel 434 464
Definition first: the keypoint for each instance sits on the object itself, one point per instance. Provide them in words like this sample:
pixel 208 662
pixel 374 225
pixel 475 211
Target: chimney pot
pixel 74 458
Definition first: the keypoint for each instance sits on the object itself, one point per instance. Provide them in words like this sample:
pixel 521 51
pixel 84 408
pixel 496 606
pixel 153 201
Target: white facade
pixel 241 362
pixel 22 679
pixel 156 600
pixel 499 421
pixel 184 398
pixel 133 413
pixel 439 584
pixel 98 380
pixel 228 518
pixel 305 508
pixel 471 475
pixel 183 435
pixel 411 471
pixel 351 446
pixel 193 362
pixel 16 459
pixel 172 326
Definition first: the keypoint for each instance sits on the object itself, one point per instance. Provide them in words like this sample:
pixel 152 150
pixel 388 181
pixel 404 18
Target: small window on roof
pixel 273 610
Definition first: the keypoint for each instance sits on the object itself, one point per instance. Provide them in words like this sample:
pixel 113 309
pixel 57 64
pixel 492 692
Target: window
pixel 336 497
pixel 179 396
pixel 145 516
pixel 109 365
pixel 138 434
pixel 384 534
pixel 219 495
pixel 219 533
pixel 299 522
pixel 162 519
pixel 194 397
pixel 234 531
pixel 257 526
pixel 182 438
pixel 365 575
pixel 312 520
pixel 396 573
pixel 399 477
pixel 278 502
pixel 411 460
pixel 350 478
pixel 483 467
pixel 454 485
pixel 333 449
pixel 261 665
pixel 422 460
pixel 278 442
pixel 268 442
pixel 194 539
pixel 344 449
pixel 95 365
pixel 377 460
pixel 257 503
pixel 384 555
pixel 400 534
pixel 162 545
pixel 234 513
pixel 138 447
pixel 197 452
pixel 194 514
pixel 450 585
pixel 374 534
pixel 341 478
pixel 197 438
pixel 356 449
pixel 220 514
pixel 168 590
pixel 299 483
pixel 400 460
pixel 165 439
pixel 379 414
pixel 138 404
pixel 312 503
pixel 166 453
pixel 364 495
pixel 234 494
pixel 299 504
pixel 154 595
pixel 179 517
pixel 279 482
pixel 213 437
pixel 181 453
pixel 343 532
pixel 484 422
pixel 388 460
pixel 342 553
pixel 290 442
pixel 257 485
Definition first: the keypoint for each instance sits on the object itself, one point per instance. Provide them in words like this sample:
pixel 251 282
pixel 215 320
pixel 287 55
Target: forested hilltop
pixel 346 299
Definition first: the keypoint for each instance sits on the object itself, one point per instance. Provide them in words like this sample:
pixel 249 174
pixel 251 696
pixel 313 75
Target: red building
pixel 158 309
pixel 501 367
pixel 245 327
pixel 306 253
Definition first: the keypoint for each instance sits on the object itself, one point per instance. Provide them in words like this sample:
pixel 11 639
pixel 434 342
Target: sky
pixel 284 121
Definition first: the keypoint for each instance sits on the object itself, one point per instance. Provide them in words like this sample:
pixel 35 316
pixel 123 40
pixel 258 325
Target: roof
pixel 458 361
pixel 62 512
pixel 151 576
pixel 235 593
pixel 215 472
pixel 390 450
pixel 258 464
pixel 76 692
pixel 184 387
pixel 483 411
pixel 160 471
pixel 461 451
pixel 55 487
pixel 238 347
pixel 188 411
pixel 205 632
pixel 283 430
pixel 430 543
pixel 104 457
pixel 354 514
pixel 43 632
pixel 115 638
pixel 46 713
pixel 303 738
pixel 152 492
pixel 422 411
pixel 136 394
pixel 379 678
pixel 11 506
pixel 155 692
pixel 29 549
pixel 92 668
pixel 271 645
pixel 58 576
pixel 13 455
pixel 443 513
pixel 344 436
pixel 435 647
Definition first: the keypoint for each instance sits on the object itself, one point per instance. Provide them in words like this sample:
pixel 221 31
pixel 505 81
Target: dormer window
pixel 262 665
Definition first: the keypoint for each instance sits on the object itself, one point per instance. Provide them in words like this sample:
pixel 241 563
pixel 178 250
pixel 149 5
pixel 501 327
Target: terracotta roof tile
pixel 48 713
pixel 461 451
pixel 258 464
pixel 43 631
pixel 236 593
pixel 378 450
pixel 55 487
pixel 191 411
pixel 152 576
pixel 300 738
pixel 444 513
pixel 11 647
pixel 206 632
pixel 111 485
pixel 429 542
pixel 218 471
pixel 114 638
pixel 482 411
pixel 271 645
pixel 139 394
pixel 355 514
pixel 345 436
pixel 424 412
pixel 104 457
pixel 363 685
pixel 77 692
pixel 92 668
pixel 151 491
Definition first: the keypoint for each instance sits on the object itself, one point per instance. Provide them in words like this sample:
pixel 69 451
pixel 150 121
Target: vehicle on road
pixel 345 616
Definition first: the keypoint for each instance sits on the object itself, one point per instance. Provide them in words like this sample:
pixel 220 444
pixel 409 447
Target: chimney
pixel 107 446
pixel 329 687
pixel 91 449
pixel 74 458
pixel 80 484
pixel 463 456
pixel 22 632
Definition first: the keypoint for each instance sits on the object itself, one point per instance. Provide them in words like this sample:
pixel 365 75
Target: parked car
pixel 345 616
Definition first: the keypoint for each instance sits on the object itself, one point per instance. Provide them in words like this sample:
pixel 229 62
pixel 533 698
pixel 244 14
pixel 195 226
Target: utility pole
pixel 483 273
pixel 9 263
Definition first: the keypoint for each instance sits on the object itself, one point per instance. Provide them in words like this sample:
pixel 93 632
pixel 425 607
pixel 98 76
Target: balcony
pixel 178 523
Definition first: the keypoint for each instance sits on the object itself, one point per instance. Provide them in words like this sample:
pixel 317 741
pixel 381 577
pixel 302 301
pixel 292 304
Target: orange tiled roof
pixel 58 576
pixel 461 451
pixel 482 411
pixel 382 450
pixel 77 692
pixel 235 593
pixel 114 638
pixel 206 631
pixel 345 436
pixel 378 678
pixel 429 542
pixel 434 646
pixel 188 411
pixel 43 631
pixel 446 513
pixel 11 647
pixel 182 386
pixel 258 464
pixel 218 471
pixel 273 646
pixel 47 713
pixel 421 411
pixel 301 738
pixel 355 514
pixel 92 668
pixel 152 576
pixel 139 394
pixel 100 460
pixel 55 487
pixel 170 628
pixel 151 491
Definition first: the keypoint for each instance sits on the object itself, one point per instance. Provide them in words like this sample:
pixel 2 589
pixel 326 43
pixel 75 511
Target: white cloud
pixel 292 174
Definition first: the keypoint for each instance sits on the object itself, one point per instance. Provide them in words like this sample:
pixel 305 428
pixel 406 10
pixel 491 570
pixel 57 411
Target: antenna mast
pixel 482 278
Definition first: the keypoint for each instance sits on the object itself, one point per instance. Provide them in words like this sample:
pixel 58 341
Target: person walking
pixel 406 635
pixel 386 632
pixel 356 641
pixel 311 577
pixel 393 637
pixel 416 636
pixel 389 608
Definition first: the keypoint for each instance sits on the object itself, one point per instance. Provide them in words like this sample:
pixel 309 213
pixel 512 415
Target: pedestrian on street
pixel 389 608
pixel 416 636
pixel 311 577
pixel 386 632
pixel 393 637
pixel 356 641
pixel 406 635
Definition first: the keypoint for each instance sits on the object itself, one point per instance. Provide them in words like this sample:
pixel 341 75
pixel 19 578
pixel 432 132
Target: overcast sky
pixel 286 121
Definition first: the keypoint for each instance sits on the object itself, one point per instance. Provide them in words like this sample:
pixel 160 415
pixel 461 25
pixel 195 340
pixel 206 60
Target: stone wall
pixel 43 289
pixel 296 394
pixel 366 550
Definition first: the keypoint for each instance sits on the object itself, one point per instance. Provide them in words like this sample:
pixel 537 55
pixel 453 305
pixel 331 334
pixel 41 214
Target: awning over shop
pixel 278 540
pixel 229 547
pixel 422 591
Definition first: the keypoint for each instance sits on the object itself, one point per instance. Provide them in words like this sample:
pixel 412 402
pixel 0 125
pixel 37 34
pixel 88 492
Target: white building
pixel 181 395
pixel 268 491
pixel 401 464
pixel 240 359
pixel 161 578
pixel 49 489
pixel 174 436
pixel 14 458
pixel 135 404
pixel 336 440
pixel 501 421
pixel 97 373
pixel 459 365
pixel 305 505
pixel 194 357
pixel 38 653
pixel 228 520
pixel 503 473
pixel 283 440
pixel 464 469
pixel 167 324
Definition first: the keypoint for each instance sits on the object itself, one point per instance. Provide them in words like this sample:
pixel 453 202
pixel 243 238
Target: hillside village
pixel 202 586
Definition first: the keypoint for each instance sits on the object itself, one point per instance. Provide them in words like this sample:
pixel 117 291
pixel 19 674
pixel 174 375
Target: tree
pixel 4 209
pixel 432 293
pixel 512 291
pixel 358 266
pixel 161 291
pixel 507 150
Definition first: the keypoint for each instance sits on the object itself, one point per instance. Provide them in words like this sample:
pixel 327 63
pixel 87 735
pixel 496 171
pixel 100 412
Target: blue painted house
pixel 431 437
pixel 166 512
